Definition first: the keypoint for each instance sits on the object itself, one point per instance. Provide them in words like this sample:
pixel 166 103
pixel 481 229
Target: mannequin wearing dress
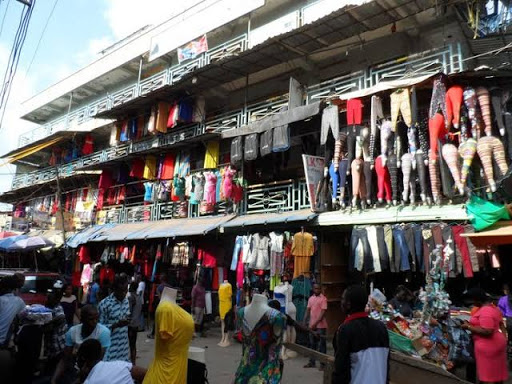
pixel 290 335
pixel 174 331
pixel 262 332
pixel 225 303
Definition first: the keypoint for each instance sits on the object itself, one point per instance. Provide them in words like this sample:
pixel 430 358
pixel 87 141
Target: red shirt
pixel 316 305
pixel 207 256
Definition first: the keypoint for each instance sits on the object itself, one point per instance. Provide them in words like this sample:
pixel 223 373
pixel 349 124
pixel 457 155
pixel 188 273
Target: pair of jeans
pixel 401 250
pixel 360 251
pixel 239 241
pixel 318 343
pixel 338 178
pixel 330 122
pixel 401 103
pixel 383 249
pixel 418 248
pixel 374 246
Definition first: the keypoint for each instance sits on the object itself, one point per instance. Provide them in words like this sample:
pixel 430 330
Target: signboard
pixel 192 49
pixel 314 170
pixel 199 19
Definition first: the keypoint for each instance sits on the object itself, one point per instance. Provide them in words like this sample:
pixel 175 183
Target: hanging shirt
pixel 150 168
pixel 211 156
pixel 207 256
pixel 137 168
pixel 168 167
pixel 148 192
pixel 303 244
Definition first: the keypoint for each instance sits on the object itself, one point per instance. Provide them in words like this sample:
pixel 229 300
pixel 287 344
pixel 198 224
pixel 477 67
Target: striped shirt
pixel 111 311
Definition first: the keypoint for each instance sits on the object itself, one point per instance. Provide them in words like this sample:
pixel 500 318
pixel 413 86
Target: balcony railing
pixel 447 59
pixel 288 195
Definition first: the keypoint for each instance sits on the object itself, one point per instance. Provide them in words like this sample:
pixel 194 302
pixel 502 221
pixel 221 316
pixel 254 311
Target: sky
pixel 77 31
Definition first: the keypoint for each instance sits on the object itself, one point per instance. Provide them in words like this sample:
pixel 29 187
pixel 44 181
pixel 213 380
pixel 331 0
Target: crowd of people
pixel 99 338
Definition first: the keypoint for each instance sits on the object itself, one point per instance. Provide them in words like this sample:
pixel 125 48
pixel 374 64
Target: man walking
pixel 361 344
pixel 315 312
pixel 198 305
pixel 115 314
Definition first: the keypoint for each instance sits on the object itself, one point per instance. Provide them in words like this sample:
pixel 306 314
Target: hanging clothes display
pixel 211 156
pixel 302 249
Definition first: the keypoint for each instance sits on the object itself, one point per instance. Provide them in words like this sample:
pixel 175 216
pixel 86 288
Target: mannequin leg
pixel 438 100
pixel 335 182
pixel 454 97
pixel 351 148
pixel 508 128
pixel 222 327
pixel 368 178
pixel 484 148
pixel 437 130
pixel 405 107
pixel 395 109
pixel 421 168
pixel 435 183
pixel 485 106
pixel 496 97
pixel 467 151
pixel 393 173
pixel 406 171
pixel 385 133
pixel 342 171
pixel 383 181
pixel 356 180
pixel 498 150
pixel 470 100
pixel 451 156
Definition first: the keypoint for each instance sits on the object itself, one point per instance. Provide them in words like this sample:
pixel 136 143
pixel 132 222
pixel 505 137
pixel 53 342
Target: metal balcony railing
pixel 287 195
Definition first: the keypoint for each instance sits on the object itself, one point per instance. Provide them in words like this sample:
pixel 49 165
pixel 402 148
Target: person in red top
pixel 315 312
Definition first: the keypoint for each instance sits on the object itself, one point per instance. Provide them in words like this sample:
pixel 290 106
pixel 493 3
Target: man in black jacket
pixel 361 344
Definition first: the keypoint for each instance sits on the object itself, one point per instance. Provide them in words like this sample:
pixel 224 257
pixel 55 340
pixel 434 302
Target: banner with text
pixel 314 170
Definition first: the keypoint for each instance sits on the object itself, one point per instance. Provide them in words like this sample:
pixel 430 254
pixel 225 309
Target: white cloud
pixel 126 16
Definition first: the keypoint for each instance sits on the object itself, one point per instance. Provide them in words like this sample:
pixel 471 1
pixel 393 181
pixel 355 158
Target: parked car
pixel 37 284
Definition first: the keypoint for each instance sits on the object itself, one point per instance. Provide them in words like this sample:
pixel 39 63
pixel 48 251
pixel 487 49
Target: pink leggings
pixel 358 181
pixel 383 180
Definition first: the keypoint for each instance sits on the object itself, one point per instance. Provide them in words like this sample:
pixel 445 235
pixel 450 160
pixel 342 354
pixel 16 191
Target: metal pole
pixel 59 197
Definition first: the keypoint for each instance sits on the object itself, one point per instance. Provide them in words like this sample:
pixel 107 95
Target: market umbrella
pixel 6 234
pixel 33 242
pixel 9 244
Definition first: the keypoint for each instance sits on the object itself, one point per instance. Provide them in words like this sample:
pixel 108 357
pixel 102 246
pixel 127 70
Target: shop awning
pixel 20 154
pixel 276 120
pixel 161 229
pixel 270 218
pixel 394 215
pixel 87 234
pixel 54 235
pixel 387 85
pixel 498 234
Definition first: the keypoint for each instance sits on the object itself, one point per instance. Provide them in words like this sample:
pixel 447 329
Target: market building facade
pixel 284 141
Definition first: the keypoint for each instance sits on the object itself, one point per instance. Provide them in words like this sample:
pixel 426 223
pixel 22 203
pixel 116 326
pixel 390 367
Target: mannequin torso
pixel 255 311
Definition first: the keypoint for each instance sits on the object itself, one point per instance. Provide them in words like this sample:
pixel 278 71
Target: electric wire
pixel 14 57
pixel 41 37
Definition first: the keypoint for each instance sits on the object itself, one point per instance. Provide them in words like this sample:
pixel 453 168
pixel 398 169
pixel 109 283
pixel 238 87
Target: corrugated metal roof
pixel 270 218
pixel 161 229
pixel 87 234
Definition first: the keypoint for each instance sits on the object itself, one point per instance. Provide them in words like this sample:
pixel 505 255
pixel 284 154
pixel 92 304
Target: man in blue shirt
pixel 93 292
pixel 10 306
pixel 75 336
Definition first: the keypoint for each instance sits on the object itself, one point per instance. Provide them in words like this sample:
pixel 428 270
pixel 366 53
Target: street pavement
pixel 223 362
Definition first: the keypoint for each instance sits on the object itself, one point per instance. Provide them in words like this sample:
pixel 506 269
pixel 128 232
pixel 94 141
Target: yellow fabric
pixel 301 265
pixel 162 116
pixel 26 152
pixel 303 244
pixel 211 157
pixel 174 331
pixel 150 168
pixel 225 294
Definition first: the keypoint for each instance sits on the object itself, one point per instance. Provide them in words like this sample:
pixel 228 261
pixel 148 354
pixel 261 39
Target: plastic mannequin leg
pixel 421 168
pixel 393 173
pixel 383 181
pixel 451 156
pixel 467 151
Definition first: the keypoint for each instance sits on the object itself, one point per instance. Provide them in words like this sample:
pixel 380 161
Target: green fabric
pixel 485 213
pixel 400 343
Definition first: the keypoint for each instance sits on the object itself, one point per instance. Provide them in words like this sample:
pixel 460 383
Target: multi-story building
pixel 178 93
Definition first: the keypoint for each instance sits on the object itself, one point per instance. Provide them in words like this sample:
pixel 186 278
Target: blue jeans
pixel 236 252
pixel 318 344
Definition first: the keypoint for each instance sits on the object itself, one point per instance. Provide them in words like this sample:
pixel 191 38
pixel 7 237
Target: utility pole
pixel 61 210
